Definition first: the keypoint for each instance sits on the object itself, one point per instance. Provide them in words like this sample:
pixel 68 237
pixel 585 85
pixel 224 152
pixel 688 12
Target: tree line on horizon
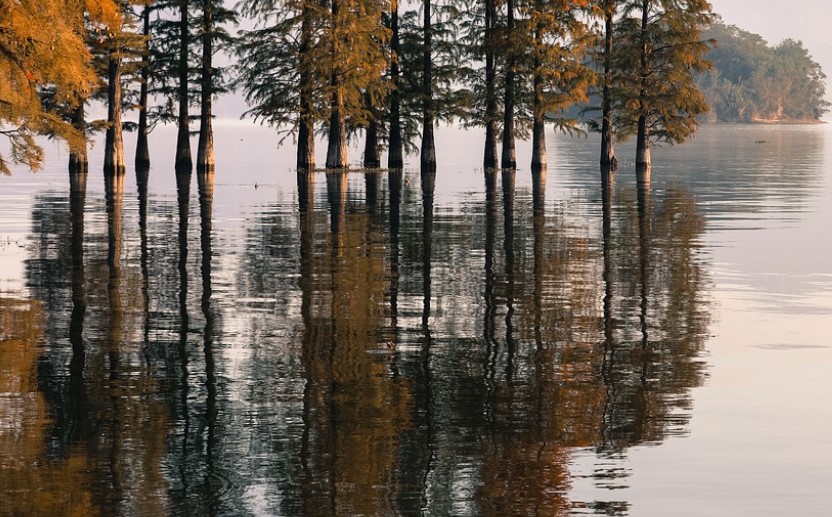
pixel 343 68
pixel 751 81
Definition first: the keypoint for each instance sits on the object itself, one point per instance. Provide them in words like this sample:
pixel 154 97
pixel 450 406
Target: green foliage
pixel 752 81
pixel 164 56
pixel 450 101
pixel 301 39
pixel 656 65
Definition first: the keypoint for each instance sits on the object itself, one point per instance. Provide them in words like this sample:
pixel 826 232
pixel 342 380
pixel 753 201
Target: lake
pixel 372 343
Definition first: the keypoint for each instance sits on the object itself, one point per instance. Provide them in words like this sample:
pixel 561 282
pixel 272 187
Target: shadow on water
pixel 376 352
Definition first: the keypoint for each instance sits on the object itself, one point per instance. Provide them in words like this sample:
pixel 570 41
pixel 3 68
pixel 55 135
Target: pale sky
pixel 809 21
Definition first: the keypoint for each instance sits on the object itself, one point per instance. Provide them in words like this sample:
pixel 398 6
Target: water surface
pixel 469 343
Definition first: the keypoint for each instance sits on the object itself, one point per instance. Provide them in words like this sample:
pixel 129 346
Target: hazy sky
pixel 809 21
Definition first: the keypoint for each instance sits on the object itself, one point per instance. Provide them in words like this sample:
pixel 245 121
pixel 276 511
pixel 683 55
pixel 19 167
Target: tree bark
pixel 336 154
pixel 142 160
pixel 372 158
pixel 490 160
pixel 205 149
pixel 395 151
pixel 643 132
pixel 78 161
pixel 114 143
pixel 306 131
pixel 428 155
pixel 608 161
pixel 509 157
pixel 183 161
pixel 539 125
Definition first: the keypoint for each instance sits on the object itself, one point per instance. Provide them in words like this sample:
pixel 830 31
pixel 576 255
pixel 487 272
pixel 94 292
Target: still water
pixel 263 343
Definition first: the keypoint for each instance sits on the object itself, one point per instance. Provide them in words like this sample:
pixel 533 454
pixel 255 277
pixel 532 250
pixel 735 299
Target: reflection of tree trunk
pixel 490 281
pixel 539 222
pixel 426 398
pixel 142 148
pixel 428 155
pixel 114 193
pixel 395 185
pixel 428 187
pixel 183 161
pixel 371 181
pixel 306 218
pixel 206 200
pixel 541 371
pixel 205 147
pixel 114 187
pixel 183 193
pixel 78 161
pixel 142 177
pixel 490 158
pixel 77 385
pixel 607 366
pixel 394 180
pixel 336 190
pixel 395 152
pixel 644 273
pixel 509 180
pixel 644 257
pixel 326 403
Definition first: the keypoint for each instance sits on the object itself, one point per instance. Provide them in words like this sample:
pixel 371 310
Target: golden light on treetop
pixel 41 45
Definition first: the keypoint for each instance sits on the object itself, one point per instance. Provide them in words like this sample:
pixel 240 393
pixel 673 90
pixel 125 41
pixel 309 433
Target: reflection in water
pixel 368 352
pixel 77 399
pixel 205 181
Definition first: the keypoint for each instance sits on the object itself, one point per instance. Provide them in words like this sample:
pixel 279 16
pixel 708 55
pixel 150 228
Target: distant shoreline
pixel 764 122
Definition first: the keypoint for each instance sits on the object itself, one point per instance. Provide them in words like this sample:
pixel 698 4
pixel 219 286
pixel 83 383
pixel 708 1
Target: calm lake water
pixel 383 344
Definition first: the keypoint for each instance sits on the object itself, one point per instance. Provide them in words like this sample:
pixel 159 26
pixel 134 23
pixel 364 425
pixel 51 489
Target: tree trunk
pixel 608 161
pixel 395 151
pixel 205 149
pixel 78 161
pixel 336 154
pixel 306 131
pixel 539 124
pixel 428 156
pixel 142 149
pixel 509 158
pixel 643 132
pixel 114 143
pixel 183 161
pixel 643 145
pixel 372 158
pixel 490 160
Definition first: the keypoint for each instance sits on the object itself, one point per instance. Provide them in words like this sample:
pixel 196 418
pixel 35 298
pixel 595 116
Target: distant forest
pixel 751 81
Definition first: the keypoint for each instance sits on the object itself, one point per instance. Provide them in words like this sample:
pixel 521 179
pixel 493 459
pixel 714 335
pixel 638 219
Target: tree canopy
pixel 41 44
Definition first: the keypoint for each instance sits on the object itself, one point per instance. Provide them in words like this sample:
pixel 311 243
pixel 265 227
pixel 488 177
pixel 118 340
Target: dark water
pixel 263 343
